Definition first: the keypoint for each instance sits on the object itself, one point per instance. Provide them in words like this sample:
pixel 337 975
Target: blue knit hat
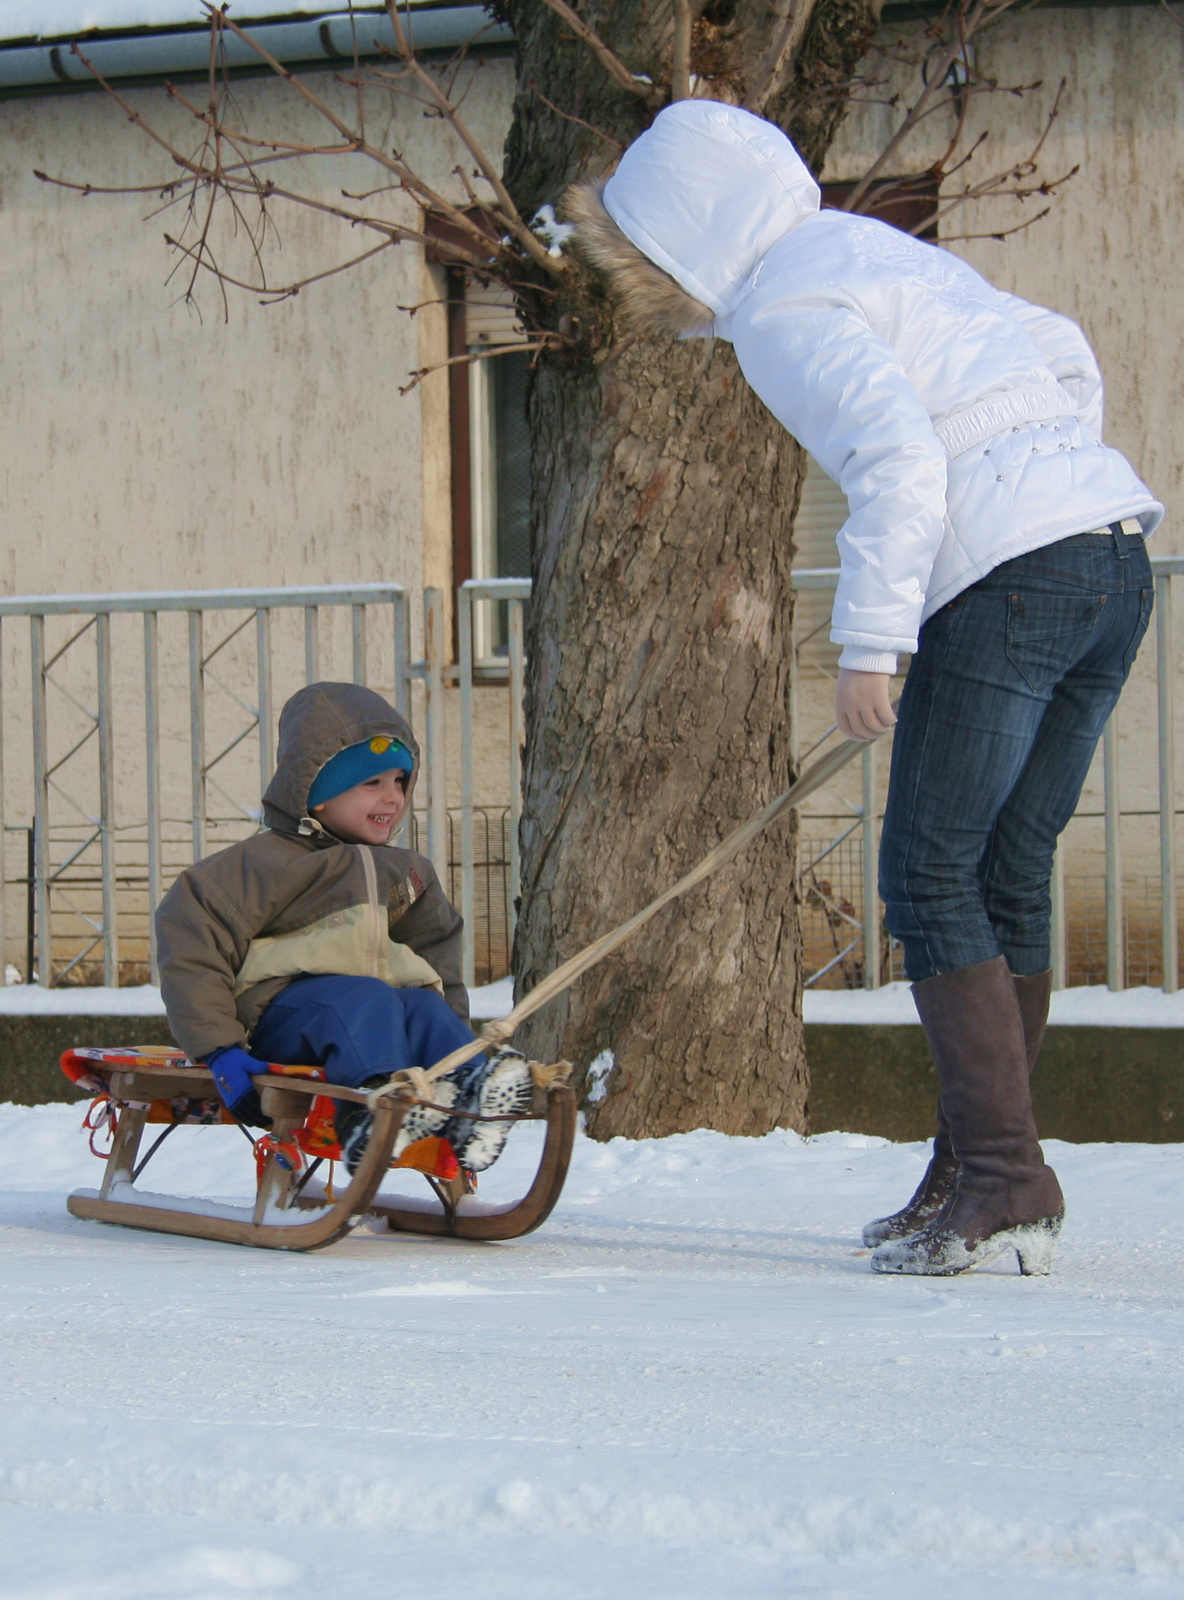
pixel 355 764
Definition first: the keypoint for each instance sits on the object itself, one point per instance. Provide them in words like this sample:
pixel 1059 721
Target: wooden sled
pixel 138 1086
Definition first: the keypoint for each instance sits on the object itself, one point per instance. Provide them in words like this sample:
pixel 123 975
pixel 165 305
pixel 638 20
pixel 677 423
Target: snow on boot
pixel 937 1186
pixel 500 1086
pixel 353 1122
pixel 1006 1197
pixel 960 1240
pixel 933 1194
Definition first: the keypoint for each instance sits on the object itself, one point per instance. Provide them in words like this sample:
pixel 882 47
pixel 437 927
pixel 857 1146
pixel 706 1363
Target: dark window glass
pixel 512 450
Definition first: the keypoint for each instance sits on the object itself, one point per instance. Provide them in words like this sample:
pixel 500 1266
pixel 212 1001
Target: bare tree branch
pixel 551 341
pixel 680 69
pixel 612 64
pixel 273 295
pixel 569 117
pixel 531 245
pixel 968 23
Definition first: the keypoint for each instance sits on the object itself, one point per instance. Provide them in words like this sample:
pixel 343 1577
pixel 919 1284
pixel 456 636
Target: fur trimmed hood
pixel 705 193
pixel 648 297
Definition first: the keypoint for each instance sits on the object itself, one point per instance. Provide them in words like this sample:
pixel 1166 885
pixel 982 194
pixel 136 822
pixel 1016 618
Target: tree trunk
pixel 658 712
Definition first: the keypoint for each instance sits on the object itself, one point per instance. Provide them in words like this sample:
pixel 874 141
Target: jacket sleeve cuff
pixel 858 658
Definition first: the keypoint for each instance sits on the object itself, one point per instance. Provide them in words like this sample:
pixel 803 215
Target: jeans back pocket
pixel 1047 633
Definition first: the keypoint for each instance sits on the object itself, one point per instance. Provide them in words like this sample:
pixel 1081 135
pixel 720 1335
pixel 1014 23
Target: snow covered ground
pixel 687 1386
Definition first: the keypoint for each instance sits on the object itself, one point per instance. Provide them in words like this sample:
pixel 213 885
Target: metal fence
pixel 1108 926
pixel 139 731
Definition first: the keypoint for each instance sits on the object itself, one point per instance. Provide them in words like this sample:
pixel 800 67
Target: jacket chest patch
pixel 404 895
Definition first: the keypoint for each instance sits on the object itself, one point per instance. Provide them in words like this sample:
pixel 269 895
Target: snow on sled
pixel 134 1087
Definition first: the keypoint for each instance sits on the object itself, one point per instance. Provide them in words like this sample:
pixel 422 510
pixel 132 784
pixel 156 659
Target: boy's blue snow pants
pixel 357 1028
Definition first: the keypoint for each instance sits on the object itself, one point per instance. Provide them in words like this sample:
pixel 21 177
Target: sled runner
pixel 135 1087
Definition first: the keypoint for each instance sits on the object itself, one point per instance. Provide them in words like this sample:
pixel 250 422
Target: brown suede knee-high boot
pixel 941 1175
pixel 1005 1196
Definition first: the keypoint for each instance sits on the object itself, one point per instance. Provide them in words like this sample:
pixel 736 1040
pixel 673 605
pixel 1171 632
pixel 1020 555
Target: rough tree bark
pixel 660 627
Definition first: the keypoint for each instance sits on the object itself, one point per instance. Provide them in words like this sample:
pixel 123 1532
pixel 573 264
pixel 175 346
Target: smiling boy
pixel 318 942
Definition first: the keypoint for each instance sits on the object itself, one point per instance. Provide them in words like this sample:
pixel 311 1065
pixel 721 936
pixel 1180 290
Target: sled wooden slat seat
pixel 156 1085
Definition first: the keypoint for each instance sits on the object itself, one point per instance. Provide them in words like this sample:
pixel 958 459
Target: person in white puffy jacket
pixel 991 535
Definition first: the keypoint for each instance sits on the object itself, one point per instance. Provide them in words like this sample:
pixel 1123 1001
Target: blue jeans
pixel 1002 709
pixel 357 1028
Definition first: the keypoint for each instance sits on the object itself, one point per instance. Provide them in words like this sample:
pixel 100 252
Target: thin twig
pixel 568 117
pixel 1002 233
pixel 274 296
pixel 968 25
pixel 410 180
pixel 533 247
pixel 680 68
pixel 467 360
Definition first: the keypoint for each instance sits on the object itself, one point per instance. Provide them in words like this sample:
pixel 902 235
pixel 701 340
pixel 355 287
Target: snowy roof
pixel 29 20
pixel 128 39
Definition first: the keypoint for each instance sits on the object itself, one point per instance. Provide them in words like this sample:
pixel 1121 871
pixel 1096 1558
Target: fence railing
pixel 870 959
pixel 139 732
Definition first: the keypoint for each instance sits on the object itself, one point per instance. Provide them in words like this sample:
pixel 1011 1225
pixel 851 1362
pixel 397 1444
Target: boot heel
pixel 1035 1244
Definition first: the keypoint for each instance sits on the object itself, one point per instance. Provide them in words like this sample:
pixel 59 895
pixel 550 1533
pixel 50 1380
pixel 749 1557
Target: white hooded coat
pixel 962 424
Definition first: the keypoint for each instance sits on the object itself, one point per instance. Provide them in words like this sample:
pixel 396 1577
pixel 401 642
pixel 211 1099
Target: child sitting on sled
pixel 317 942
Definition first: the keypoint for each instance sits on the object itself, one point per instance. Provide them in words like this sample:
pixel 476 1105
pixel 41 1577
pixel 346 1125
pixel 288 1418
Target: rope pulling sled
pixel 291 1212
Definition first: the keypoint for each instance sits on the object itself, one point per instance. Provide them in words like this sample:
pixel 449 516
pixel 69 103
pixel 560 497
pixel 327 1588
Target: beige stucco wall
pixel 148 446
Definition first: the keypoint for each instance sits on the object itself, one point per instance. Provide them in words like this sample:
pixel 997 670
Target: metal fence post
pixel 434 745
pixel 467 850
pixel 358 628
pixel 152 778
pixel 312 644
pixel 402 641
pixel 3 834
pixel 197 732
pixel 41 800
pixel 871 898
pixel 1115 953
pixel 1060 965
pixel 1168 893
pixel 517 738
pixel 266 720
pixel 107 834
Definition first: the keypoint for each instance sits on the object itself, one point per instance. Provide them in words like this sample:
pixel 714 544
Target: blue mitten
pixel 232 1068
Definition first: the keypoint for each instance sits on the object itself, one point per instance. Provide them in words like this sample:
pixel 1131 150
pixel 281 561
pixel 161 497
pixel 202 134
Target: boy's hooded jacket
pixel 237 927
pixel 962 423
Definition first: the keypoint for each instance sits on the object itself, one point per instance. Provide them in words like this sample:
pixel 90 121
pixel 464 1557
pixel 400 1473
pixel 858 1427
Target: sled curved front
pixel 461 1217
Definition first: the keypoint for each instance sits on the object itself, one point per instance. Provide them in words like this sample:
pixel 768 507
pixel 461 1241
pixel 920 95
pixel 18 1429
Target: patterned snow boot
pixel 353 1122
pixel 1006 1197
pixel 500 1086
pixel 937 1186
